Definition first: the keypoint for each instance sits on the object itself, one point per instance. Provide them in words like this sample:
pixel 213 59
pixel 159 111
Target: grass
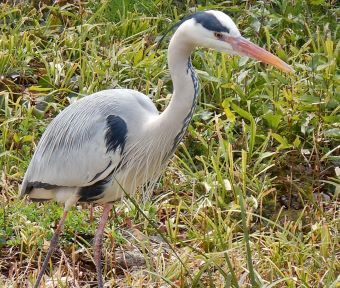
pixel 251 197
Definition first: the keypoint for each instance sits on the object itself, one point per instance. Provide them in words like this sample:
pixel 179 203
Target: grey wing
pixel 81 146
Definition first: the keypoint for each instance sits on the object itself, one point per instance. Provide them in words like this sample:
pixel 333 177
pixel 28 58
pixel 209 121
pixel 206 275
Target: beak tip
pixel 290 70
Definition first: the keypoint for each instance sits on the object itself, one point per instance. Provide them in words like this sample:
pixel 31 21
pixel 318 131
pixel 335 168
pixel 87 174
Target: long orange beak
pixel 244 47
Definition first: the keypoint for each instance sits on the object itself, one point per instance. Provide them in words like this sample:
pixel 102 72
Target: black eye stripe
pixel 209 21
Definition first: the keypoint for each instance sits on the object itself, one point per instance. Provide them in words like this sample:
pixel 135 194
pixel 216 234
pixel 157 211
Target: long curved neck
pixel 176 117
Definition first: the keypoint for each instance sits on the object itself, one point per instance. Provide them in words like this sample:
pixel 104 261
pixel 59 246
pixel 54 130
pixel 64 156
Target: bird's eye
pixel 218 35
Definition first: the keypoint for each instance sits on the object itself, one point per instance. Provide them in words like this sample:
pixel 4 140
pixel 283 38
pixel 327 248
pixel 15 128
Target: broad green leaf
pixel 297 142
pixel 16 138
pixel 317 2
pixel 230 115
pixel 310 99
pixel 138 56
pixel 27 138
pixel 273 120
pixel 236 88
pixel 282 140
pixel 324 66
pixel 333 133
pixel 331 119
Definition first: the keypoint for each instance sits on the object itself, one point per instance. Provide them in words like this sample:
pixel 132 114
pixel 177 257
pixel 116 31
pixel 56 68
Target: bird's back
pixel 85 142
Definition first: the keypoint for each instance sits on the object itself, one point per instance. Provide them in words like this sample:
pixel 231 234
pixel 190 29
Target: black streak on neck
pixel 187 119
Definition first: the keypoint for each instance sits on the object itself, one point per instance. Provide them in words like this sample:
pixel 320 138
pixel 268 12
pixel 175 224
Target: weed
pixel 251 197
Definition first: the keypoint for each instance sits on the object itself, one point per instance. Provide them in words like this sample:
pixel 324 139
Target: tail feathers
pixel 37 190
pixel 23 188
pixel 40 194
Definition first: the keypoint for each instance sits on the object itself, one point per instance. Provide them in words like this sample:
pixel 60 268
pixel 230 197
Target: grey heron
pixel 115 141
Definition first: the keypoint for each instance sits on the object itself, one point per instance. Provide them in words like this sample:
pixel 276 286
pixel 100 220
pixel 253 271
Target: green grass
pixel 251 197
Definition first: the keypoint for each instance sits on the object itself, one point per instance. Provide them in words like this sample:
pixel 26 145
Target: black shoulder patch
pixel 209 21
pixel 116 132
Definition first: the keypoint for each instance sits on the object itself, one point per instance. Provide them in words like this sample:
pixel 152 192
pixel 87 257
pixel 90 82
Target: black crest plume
pixel 207 20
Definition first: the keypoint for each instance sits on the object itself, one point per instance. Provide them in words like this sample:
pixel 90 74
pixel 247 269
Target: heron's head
pixel 214 29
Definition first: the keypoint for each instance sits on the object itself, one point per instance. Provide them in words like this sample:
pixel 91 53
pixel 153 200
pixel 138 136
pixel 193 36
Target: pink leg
pixel 91 213
pixel 51 249
pixel 98 243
